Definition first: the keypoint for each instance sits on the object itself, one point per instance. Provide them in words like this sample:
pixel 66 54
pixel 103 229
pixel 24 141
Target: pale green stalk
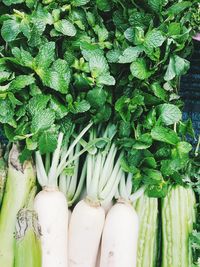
pixel 20 181
pixel 3 174
pixel 178 216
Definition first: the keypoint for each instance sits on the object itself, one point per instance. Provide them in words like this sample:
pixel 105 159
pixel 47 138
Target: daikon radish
pixel 120 234
pixel 88 217
pixel 51 205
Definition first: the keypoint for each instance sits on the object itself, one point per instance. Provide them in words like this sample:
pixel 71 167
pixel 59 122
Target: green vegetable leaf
pixel 169 114
pixel 10 30
pixel 21 82
pixel 177 67
pixel 165 135
pixel 154 39
pixel 37 103
pixel 45 56
pixel 139 69
pixel 65 27
pixel 156 5
pixel 130 54
pixel 80 2
pixel 48 141
pixel 42 120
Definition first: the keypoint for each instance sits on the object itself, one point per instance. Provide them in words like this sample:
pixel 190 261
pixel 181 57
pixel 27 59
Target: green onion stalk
pixel 20 181
pixel 27 236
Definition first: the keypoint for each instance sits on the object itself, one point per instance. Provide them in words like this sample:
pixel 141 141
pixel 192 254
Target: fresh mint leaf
pixel 104 5
pixel 156 5
pixel 165 135
pixel 57 77
pixel 140 70
pixel 130 54
pixel 48 141
pixel 60 109
pixel 105 79
pixel 169 114
pixel 10 30
pixel 45 56
pixel 143 142
pixel 177 8
pixel 65 27
pixel 177 66
pixel 11 2
pixel 154 39
pixel 97 97
pixel 80 107
pixel 7 112
pixel 80 2
pixel 23 57
pixel 37 103
pixel 21 82
pixel 42 120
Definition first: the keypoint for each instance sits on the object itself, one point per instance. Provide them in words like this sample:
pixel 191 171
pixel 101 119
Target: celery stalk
pixel 20 181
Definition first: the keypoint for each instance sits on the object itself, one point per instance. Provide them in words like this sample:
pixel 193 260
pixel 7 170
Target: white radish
pixel 120 235
pixel 51 207
pixel 85 231
pixel 69 216
pixel 107 206
pixel 88 216
pixel 51 204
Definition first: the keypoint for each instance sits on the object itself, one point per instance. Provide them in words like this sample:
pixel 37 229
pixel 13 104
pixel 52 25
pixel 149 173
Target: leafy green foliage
pixel 63 63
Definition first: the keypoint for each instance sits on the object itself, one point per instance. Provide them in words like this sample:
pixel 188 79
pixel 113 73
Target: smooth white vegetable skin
pixel 108 206
pixel 51 206
pixel 120 235
pixel 69 216
pixel 85 230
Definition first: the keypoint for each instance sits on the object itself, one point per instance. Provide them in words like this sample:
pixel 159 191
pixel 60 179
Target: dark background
pixel 190 91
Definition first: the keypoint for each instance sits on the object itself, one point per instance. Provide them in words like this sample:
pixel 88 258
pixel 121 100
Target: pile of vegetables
pixel 96 169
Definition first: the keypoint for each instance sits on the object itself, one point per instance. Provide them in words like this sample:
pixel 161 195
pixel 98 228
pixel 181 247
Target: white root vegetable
pixel 51 207
pixel 120 234
pixel 88 216
pixel 85 231
pixel 51 204
pixel 107 206
pixel 69 216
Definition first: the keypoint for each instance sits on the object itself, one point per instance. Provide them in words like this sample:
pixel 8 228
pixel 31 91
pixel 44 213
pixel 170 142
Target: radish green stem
pixel 108 166
pixel 47 162
pixel 73 179
pixel 41 173
pixel 55 160
pixel 93 189
pixel 137 194
pixel 122 188
pixel 111 180
pixel 62 163
pixel 80 186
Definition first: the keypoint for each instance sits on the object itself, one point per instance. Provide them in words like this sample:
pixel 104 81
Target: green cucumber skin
pixel 178 216
pixel 147 209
